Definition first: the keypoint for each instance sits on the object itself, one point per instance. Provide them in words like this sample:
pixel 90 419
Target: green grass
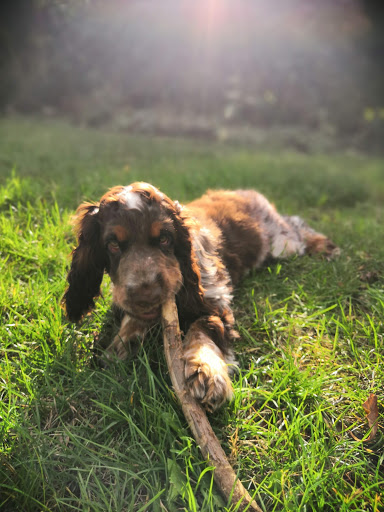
pixel 76 437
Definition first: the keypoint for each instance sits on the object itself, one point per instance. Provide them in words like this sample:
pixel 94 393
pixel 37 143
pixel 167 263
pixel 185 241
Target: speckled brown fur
pixel 154 248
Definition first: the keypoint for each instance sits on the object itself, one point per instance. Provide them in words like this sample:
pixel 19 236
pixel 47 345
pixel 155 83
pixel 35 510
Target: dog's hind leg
pixel 283 235
pixel 308 240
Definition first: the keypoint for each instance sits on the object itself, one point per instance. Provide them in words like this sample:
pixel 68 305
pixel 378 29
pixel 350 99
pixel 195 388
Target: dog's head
pixel 142 239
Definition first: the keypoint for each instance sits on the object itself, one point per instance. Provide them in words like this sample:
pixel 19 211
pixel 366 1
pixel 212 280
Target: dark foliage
pixel 317 66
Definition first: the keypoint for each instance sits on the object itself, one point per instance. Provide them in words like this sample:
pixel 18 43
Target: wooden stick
pixel 224 475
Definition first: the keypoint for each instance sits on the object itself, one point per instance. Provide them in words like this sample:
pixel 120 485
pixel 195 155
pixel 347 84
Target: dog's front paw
pixel 127 342
pixel 122 349
pixel 206 375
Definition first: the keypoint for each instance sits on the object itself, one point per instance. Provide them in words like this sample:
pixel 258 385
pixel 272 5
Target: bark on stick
pixel 224 475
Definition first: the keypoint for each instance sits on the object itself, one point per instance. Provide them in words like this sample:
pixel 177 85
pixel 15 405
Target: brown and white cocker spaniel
pixel 154 248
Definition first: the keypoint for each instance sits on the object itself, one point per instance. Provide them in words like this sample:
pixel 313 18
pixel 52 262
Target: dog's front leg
pixel 127 341
pixel 207 373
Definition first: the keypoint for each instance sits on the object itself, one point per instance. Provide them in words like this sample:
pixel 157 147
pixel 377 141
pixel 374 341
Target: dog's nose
pixel 146 294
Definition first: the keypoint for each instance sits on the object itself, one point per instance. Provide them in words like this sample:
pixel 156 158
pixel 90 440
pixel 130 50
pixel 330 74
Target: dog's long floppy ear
pixel 191 295
pixel 88 264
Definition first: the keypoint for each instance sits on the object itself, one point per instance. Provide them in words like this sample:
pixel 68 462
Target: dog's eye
pixel 113 247
pixel 165 240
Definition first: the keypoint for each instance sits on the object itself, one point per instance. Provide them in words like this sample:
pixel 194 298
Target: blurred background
pixel 307 74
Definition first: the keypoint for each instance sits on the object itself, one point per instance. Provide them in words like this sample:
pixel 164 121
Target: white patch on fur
pixel 282 246
pixel 206 351
pixel 218 293
pixel 133 200
pixel 126 320
pixel 207 372
pixel 282 236
pixel 216 289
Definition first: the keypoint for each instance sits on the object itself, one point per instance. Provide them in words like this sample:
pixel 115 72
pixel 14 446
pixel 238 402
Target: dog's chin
pixel 150 316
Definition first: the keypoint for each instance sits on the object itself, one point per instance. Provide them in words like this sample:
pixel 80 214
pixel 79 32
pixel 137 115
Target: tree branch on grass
pixel 224 475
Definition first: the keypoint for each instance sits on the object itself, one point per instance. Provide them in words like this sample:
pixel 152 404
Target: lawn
pixel 78 437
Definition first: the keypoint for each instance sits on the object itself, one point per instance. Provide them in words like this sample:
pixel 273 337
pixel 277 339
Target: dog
pixel 154 248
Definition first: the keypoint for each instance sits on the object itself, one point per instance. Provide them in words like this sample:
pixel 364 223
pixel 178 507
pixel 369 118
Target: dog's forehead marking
pixel 133 200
